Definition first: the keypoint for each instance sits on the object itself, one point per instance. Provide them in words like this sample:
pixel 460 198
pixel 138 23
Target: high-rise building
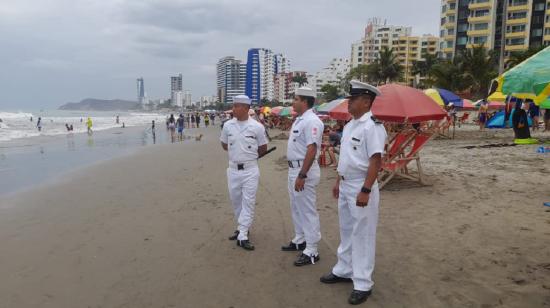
pixel 285 87
pixel 140 90
pixel 378 35
pixel 231 77
pixel 467 23
pixel 410 49
pixel 261 67
pixel 332 74
pixel 176 90
pixel 188 101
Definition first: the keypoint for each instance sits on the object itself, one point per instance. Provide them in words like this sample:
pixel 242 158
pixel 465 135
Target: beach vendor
pixel 356 188
pixel 520 122
pixel 244 140
pixel 304 145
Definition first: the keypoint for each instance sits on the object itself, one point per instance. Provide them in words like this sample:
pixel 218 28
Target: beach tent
pixel 497 121
pixel 545 104
pixel 449 97
pixel 529 79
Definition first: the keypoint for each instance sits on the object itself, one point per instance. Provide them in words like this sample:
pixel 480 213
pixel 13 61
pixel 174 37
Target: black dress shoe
pixel 304 259
pixel 331 278
pixel 294 247
pixel 245 244
pixel 357 297
pixel 234 236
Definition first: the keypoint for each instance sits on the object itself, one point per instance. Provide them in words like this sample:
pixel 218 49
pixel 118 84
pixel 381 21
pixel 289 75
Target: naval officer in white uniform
pixel 304 145
pixel 244 139
pixel 356 188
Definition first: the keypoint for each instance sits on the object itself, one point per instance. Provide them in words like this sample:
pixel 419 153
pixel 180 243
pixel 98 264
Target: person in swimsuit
pixel 483 114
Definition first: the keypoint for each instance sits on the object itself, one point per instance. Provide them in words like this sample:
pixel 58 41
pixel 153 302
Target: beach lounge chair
pixel 398 143
pixel 463 118
pixel 398 165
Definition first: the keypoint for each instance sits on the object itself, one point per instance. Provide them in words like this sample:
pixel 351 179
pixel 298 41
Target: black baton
pixel 267 152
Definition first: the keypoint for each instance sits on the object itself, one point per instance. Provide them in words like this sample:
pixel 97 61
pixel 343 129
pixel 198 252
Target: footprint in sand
pixel 464 228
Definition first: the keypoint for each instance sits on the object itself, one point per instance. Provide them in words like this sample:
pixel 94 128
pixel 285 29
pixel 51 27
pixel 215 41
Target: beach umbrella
pixel 497 97
pixel 326 107
pixel 287 112
pixel 465 104
pixel 529 79
pixel 434 94
pixel 265 110
pixel 276 110
pixel 545 104
pixel 398 104
pixel 449 97
pixel 316 107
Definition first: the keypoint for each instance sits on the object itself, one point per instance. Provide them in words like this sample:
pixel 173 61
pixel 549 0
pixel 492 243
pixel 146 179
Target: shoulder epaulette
pixel 375 120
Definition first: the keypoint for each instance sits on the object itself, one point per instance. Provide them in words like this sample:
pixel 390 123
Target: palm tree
pixel 388 65
pixel 480 68
pixel 517 57
pixel 449 75
pixel 360 73
pixel 300 80
pixel 423 68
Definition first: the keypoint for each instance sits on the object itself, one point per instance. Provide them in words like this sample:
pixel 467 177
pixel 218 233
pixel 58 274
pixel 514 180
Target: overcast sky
pixel 56 51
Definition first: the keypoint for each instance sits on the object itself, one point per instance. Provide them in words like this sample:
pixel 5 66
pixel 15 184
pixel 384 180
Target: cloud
pixel 81 48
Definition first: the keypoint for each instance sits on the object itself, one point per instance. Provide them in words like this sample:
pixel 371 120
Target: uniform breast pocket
pixel 231 139
pixel 356 143
pixel 296 133
pixel 250 142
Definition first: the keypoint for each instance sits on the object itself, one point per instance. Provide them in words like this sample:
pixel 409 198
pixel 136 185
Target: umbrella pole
pixel 454 125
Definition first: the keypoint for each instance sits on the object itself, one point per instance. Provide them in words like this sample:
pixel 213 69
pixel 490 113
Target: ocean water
pixel 18 124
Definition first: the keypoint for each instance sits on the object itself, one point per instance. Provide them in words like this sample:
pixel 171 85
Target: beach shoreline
pixel 150 230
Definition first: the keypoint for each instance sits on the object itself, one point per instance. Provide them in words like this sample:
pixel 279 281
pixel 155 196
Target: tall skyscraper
pixel 188 101
pixel 140 91
pixel 231 76
pixel 410 49
pixel 261 67
pixel 176 90
pixel 467 23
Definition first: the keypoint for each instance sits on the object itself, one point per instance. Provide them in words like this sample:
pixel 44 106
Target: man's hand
pixel 362 199
pixel 336 190
pixel 299 184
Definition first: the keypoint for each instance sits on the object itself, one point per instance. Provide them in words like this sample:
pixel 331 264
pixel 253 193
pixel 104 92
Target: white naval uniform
pixel 361 139
pixel 243 139
pixel 306 129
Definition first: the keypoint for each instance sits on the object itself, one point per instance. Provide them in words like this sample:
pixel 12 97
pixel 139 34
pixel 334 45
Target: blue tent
pixel 498 120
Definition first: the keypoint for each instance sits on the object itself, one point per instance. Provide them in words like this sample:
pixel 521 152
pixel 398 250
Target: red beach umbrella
pixel 398 104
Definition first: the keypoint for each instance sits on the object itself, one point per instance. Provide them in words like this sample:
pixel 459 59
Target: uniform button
pixel 294 140
pixel 249 147
pixel 231 144
pixel 355 148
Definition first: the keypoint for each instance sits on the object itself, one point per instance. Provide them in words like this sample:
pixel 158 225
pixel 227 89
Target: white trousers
pixel 304 210
pixel 242 185
pixel 357 235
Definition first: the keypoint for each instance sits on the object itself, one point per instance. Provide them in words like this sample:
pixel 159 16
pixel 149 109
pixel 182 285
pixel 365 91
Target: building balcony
pixel 471 45
pixel 515 47
pixel 517 21
pixel 448 25
pixel 479 19
pixel 516 34
pixel 517 8
pixel 546 37
pixel 484 32
pixel 448 49
pixel 449 37
pixel 481 5
pixel 450 12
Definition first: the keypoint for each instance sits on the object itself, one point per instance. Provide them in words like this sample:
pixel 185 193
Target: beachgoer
pixel 153 126
pixel 213 118
pixel 188 119
pixel 193 120
pixel 68 127
pixel 546 120
pixel 117 120
pixel 244 140
pixel 520 121
pixel 483 115
pixel 123 125
pixel 508 107
pixel 172 127
pixel 39 124
pixel 357 191
pixel 534 113
pixel 71 128
pixel 206 119
pixel 89 125
pixel 31 119
pixel 304 146
pixel 180 124
pixel 198 119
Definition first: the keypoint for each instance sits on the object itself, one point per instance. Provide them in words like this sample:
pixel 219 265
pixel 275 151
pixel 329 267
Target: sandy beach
pixel 150 230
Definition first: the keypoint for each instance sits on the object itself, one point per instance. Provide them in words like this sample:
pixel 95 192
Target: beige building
pixel 413 48
pixel 467 23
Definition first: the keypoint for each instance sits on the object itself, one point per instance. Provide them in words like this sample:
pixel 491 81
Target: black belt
pixel 291 163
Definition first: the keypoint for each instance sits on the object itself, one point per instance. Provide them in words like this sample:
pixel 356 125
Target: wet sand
pixel 150 230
